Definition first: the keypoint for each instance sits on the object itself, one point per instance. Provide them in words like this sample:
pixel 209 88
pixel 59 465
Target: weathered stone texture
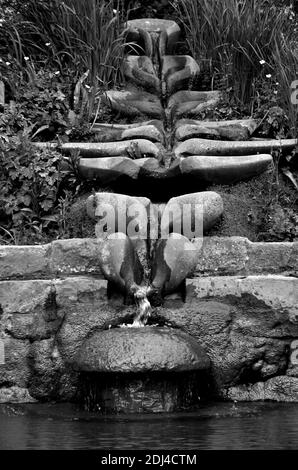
pixel 219 256
pixel 148 349
pixel 279 388
pixel 248 324
pixel 23 261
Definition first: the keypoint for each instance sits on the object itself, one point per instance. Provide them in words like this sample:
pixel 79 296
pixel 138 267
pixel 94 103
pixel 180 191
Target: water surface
pixel 216 426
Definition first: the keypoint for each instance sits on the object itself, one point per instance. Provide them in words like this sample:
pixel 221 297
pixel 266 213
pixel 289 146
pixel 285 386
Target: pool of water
pixel 213 427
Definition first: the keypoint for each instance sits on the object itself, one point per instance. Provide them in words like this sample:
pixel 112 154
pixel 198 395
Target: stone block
pixel 24 261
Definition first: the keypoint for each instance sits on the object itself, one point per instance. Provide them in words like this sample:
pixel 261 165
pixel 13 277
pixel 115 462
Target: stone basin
pixel 141 350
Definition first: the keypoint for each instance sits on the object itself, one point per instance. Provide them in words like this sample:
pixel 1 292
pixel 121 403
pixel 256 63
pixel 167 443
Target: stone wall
pixel 241 304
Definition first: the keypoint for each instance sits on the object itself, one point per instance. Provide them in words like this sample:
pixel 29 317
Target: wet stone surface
pixel 134 350
pixel 143 393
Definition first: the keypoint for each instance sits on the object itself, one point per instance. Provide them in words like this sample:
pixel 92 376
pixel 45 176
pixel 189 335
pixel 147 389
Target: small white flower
pixel 88 87
pixel 7 63
pixel 275 92
pixel 48 44
pixel 262 62
pixel 57 73
pixel 268 75
pixel 114 11
pixel 26 58
pixel 277 83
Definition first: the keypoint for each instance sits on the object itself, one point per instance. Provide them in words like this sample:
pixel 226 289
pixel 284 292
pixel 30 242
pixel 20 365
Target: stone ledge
pixel 240 256
pixel 220 257
pixel 275 291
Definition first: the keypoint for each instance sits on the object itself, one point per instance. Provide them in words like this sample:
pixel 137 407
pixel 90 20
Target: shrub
pixel 31 191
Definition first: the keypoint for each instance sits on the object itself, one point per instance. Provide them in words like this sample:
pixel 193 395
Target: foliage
pixel 31 194
pixel 235 38
pixel 282 224
pixel 85 35
pixel 285 69
pixel 42 104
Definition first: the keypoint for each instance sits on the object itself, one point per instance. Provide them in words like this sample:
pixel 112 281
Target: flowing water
pixel 214 426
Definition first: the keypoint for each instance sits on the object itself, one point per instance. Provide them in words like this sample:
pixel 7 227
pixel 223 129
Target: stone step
pixel 192 102
pixel 134 103
pixel 135 148
pixel 225 170
pixel 177 72
pixel 220 256
pixel 110 133
pixel 140 70
pixel 111 168
pixel 221 130
pixel 206 147
pixel 98 126
pixel 208 169
pixel 108 169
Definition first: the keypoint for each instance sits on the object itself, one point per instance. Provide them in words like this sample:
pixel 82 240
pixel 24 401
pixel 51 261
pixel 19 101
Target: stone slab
pixel 24 261
pixel 136 103
pixel 220 256
pixel 224 170
pixel 192 102
pixel 138 148
pixel 207 147
pixel 220 130
pixel 276 291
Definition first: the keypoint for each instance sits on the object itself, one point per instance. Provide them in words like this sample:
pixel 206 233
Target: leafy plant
pixel 283 224
pixel 31 182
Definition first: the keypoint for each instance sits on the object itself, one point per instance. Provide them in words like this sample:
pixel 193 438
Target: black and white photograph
pixel 148 232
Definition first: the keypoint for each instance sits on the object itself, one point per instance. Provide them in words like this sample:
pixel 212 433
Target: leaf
pixel 47 204
pixel 290 175
pixel 78 88
pixel 41 129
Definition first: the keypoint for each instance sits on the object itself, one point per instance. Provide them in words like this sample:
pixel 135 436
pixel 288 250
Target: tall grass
pixel 234 36
pixel 81 34
pixel 285 67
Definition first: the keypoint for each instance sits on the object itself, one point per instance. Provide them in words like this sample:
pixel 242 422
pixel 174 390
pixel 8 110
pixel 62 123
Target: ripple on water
pixel 216 426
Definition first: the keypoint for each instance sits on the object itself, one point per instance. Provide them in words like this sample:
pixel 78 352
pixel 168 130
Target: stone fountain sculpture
pixel 163 148
pixel 157 368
